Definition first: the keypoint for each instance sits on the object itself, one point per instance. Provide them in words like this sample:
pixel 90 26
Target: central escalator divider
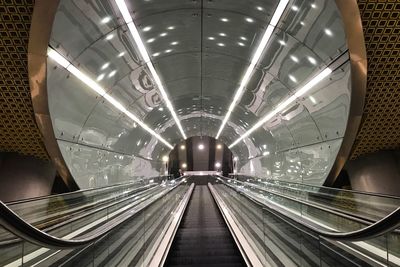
pixel 203 238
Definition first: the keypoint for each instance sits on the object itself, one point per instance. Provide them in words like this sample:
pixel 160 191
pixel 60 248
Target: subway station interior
pixel 199 133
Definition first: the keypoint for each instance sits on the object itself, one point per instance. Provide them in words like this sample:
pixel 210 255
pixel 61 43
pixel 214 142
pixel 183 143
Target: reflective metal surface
pixel 200 49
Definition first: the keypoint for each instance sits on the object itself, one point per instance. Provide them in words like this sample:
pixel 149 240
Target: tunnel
pixel 199 133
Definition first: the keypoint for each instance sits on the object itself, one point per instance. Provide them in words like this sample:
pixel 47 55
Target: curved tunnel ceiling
pixel 106 77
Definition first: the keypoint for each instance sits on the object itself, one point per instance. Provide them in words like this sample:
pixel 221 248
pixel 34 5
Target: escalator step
pixel 203 238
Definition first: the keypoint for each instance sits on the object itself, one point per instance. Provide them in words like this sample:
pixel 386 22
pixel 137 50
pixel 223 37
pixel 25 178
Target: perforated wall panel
pixel 18 129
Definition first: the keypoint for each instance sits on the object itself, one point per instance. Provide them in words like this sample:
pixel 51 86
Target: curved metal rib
pixel 384 225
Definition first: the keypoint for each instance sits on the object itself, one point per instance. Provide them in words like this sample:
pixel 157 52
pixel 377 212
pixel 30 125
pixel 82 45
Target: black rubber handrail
pixel 384 225
pixel 16 225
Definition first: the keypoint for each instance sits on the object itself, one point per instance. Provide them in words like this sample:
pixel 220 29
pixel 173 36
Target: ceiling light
pixel 102 92
pixel 313 100
pixel 163 34
pixel 302 23
pixel 328 32
pixel 106 20
pixel 219 146
pixel 211 38
pixel 184 165
pixel 235 159
pixel 146 29
pixel 243 38
pixel 109 37
pixel 265 153
pixel 201 146
pixel 121 54
pixel 224 19
pixel 160 109
pixel 142 49
pixel 294 58
pixel 168 51
pixel 165 158
pixel 282 42
pixel 312 60
pixel 256 57
pixel 112 73
pixel 105 65
pixel 313 5
pixel 174 43
pixel 217 164
pixel 183 147
pixel 222 34
pixel 322 75
pixel 171 28
pixel 295 8
pixel 260 8
pixel 156 54
pixel 292 78
pixel 240 43
pixel 250 20
pixel 151 40
pixel 221 44
pixel 100 77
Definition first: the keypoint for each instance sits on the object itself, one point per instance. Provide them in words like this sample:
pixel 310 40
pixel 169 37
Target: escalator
pixel 196 221
pixel 203 239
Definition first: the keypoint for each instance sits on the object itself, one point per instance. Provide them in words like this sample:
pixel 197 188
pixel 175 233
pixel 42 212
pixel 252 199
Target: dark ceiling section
pixel 18 129
pixel 380 128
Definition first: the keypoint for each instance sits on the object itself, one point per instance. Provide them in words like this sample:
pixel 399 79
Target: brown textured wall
pixel 18 129
pixel 380 127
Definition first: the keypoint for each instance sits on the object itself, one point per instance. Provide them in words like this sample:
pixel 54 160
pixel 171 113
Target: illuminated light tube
pixel 322 75
pixel 256 57
pixel 57 57
pixel 143 52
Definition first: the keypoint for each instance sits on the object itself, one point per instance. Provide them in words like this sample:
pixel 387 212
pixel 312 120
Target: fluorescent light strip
pixel 142 49
pixel 101 91
pixel 285 103
pixel 256 57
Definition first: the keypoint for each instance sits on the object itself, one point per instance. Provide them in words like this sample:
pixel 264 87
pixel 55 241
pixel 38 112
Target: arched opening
pixel 200 155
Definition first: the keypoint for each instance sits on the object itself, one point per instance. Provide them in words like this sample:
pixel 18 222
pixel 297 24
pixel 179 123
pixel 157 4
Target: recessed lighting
pixel 243 38
pixel 100 77
pixel 302 23
pixel 109 37
pixel 294 58
pixel 201 146
pixel 151 40
pixel 106 20
pixel 250 20
pixel 105 65
pixel 174 43
pixel 292 78
pixel 312 60
pixel 184 165
pixel 112 73
pixel 168 51
pixel 265 153
pixel 282 42
pixel 171 28
pixel 211 38
pixel 217 164
pixel 241 44
pixel 183 147
pixel 219 146
pixel 224 19
pixel 147 28
pixel 313 100
pixel 221 44
pixel 295 8
pixel 121 54
pixel 156 54
pixel 160 109
pixel 328 32
pixel 222 34
pixel 163 34
pixel 165 158
pixel 260 8
pixel 313 5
